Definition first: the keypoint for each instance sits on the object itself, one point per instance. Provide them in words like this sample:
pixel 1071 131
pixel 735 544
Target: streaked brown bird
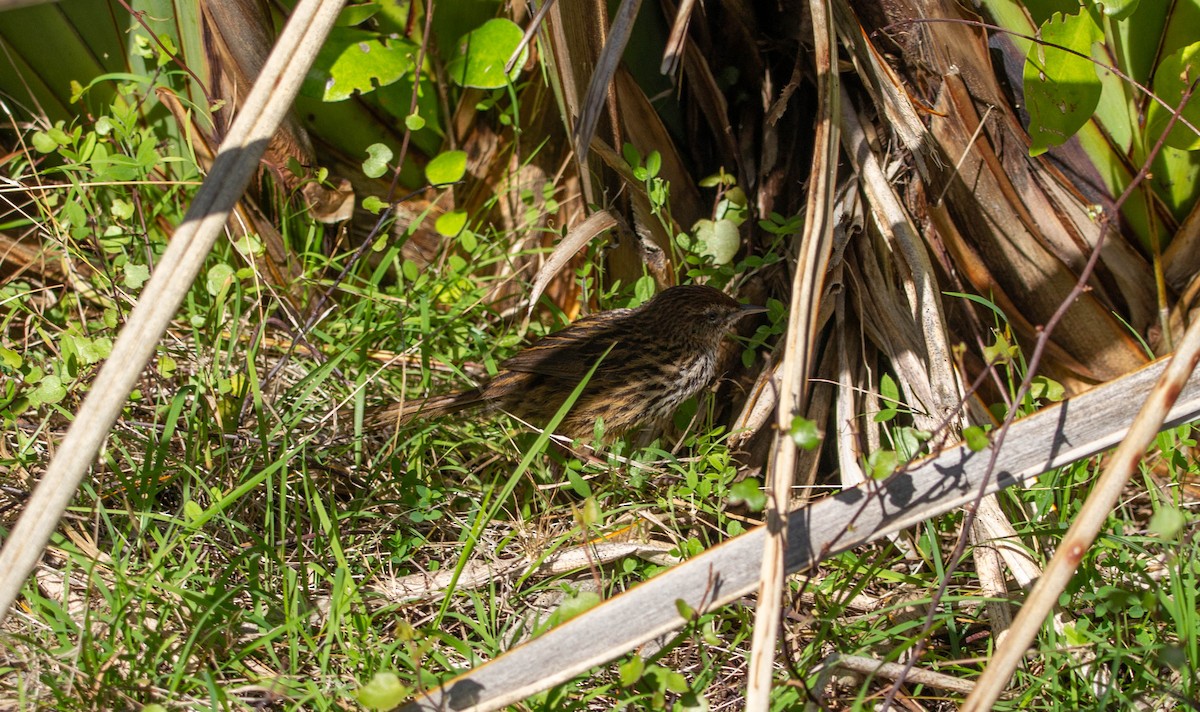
pixel 651 359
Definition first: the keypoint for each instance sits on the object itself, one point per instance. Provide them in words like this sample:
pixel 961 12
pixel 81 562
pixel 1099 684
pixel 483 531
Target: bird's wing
pixel 570 352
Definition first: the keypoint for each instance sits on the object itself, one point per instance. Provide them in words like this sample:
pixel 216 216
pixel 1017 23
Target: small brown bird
pixel 651 359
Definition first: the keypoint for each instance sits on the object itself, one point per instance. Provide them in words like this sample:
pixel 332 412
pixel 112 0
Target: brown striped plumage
pixel 662 353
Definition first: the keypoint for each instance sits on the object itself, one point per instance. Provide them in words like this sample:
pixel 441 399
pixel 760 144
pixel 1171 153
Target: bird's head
pixel 702 312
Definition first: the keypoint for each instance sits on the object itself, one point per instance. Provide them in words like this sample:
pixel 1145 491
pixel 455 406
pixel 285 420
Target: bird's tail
pixel 391 415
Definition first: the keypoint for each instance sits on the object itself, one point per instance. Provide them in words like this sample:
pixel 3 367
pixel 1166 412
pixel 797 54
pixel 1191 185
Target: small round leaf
pixel 719 240
pixel 373 204
pixel 805 433
pixel 976 438
pixel 631 671
pixel 49 390
pixel 451 223
pixel 1167 522
pixel 217 278
pixel 446 167
pixel 573 606
pixel 383 692
pixel 749 492
pixel 882 463
pixel 376 164
pixel 135 275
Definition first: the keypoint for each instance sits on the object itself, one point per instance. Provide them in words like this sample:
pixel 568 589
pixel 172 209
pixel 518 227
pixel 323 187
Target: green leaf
pixel 482 54
pixel 980 301
pixel 383 692
pixel 881 464
pixel 376 164
pixel 889 390
pixel 121 209
pixel 1042 388
pixel 1167 522
pixel 724 242
pixel 166 366
pixel 630 671
pixel 675 682
pixel 218 277
pixel 135 275
pixel 718 240
pixel 373 204
pixel 1117 9
pixel 414 122
pixel 643 289
pixel 353 60
pixel 976 438
pixel 653 163
pixel 192 512
pixel 1175 73
pixel 630 153
pixel 410 270
pixel 94 350
pixel 1062 89
pixel 451 223
pixel 51 139
pixel 1073 632
pixel 685 610
pixel 717 179
pixel 748 491
pixel 49 390
pixel 249 244
pixel 908 441
pixel 42 143
pixel 779 225
pixel 737 196
pixel 59 134
pixel 356 14
pixel 1000 352
pixel 805 433
pixel 573 606
pixel 446 167
pixel 10 358
pixel 589 513
pixel 578 484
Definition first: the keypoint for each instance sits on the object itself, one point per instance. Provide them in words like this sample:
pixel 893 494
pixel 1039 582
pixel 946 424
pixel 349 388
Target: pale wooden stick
pixel 266 105
pixel 816 245
pixel 1055 436
pixel 1087 523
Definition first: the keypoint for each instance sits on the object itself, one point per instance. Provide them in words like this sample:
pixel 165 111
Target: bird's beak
pixel 748 309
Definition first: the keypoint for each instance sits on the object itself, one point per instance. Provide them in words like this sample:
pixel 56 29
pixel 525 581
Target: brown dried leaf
pixel 988 211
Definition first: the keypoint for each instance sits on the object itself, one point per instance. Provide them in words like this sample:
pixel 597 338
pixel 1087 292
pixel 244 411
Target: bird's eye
pixel 712 317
